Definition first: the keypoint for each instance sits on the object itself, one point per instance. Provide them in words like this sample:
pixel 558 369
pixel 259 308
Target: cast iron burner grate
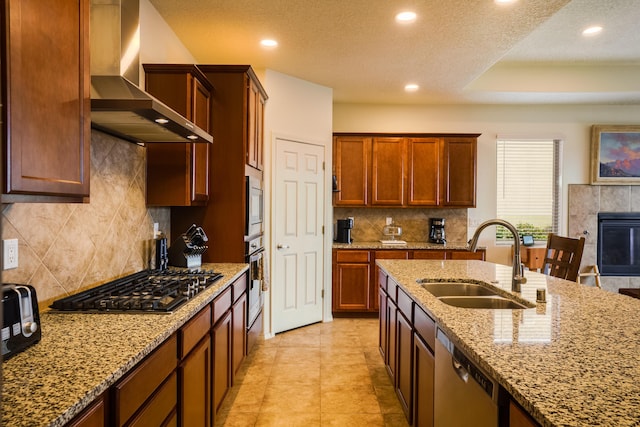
pixel 149 291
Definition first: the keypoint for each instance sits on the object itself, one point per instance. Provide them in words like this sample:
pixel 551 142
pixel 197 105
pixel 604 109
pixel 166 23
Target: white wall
pixel 571 123
pixel 302 111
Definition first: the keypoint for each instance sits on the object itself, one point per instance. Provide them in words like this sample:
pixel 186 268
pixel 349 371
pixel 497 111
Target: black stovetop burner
pixel 149 291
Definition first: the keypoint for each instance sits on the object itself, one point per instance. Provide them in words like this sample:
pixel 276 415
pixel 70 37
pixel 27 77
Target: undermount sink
pixel 469 295
pixel 489 302
pixel 440 289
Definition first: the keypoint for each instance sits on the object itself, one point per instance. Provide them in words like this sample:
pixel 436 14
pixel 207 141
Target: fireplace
pixel 619 243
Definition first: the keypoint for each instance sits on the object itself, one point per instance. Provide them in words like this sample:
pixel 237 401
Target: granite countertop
pixel 572 361
pixel 81 355
pixel 409 245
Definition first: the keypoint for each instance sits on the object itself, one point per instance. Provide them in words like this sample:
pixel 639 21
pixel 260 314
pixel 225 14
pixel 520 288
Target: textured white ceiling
pixel 458 51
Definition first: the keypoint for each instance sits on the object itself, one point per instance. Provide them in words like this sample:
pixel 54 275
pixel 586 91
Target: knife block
pixel 183 254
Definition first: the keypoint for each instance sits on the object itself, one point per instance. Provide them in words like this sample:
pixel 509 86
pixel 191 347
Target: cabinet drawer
pixel 138 385
pixel 392 287
pixel 194 330
pixel 221 305
pixel 239 287
pixel 353 256
pixel 160 406
pixel 405 304
pixel 429 254
pixel 392 254
pixel 425 326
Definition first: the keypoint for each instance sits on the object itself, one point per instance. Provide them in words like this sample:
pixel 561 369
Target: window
pixel 528 186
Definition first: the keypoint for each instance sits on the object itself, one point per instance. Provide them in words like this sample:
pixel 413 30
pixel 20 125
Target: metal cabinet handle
pixel 281 246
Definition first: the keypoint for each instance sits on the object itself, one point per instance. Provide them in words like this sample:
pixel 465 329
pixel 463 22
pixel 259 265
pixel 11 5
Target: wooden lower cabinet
pixel 404 365
pixel 184 381
pixel 221 338
pixel 355 274
pixel 195 386
pixel 519 418
pixel 423 370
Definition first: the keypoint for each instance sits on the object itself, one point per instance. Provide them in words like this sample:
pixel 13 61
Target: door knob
pixel 281 246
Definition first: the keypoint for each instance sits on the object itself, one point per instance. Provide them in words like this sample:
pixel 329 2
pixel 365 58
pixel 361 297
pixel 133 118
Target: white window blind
pixel 528 186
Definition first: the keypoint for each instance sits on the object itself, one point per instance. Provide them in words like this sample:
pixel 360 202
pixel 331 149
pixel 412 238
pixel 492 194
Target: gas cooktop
pixel 149 291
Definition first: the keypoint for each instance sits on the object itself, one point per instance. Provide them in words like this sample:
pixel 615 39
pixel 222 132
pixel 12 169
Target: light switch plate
pixel 10 253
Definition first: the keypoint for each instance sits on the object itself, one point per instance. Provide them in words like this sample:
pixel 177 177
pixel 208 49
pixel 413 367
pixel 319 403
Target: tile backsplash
pixel 66 247
pixel 369 222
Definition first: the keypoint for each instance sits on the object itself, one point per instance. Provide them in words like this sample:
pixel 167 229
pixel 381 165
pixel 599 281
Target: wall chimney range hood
pixel 118 106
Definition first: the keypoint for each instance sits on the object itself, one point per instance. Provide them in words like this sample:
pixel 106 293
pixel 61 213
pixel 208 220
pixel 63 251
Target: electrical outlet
pixel 10 253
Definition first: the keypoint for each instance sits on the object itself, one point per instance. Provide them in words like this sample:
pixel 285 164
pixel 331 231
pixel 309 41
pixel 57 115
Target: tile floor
pixel 326 374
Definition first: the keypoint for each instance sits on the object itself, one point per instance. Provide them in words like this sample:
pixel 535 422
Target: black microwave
pixel 254 208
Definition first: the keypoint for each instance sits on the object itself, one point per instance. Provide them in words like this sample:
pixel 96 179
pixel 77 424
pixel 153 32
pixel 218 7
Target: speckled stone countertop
pixel 409 245
pixel 572 361
pixel 83 354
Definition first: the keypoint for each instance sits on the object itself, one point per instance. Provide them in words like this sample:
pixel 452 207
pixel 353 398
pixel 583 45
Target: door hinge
pixel 323 229
pixel 322 294
pixel 322 165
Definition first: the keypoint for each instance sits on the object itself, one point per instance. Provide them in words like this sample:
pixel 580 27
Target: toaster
pixel 20 318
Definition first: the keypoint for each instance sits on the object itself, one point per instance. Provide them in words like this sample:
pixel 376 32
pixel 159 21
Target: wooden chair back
pixel 563 256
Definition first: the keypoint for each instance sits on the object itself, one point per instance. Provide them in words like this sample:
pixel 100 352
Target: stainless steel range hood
pixel 118 105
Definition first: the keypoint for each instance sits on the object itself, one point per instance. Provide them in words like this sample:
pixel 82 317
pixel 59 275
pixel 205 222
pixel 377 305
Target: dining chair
pixel 563 256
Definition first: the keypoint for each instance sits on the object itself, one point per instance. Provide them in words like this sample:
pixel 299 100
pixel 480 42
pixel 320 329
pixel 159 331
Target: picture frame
pixel 615 155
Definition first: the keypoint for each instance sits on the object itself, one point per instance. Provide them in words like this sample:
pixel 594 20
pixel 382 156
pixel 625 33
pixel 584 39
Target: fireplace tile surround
pixel 585 201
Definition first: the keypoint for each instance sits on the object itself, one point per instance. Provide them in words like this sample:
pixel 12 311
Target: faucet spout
pixel 518 269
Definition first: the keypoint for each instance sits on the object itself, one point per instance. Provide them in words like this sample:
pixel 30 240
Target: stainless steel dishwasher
pixel 464 394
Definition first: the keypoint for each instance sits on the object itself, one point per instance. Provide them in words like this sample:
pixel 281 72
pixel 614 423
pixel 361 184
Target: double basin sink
pixel 470 295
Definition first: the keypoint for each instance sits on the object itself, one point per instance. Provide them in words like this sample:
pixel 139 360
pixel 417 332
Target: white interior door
pixel 298 213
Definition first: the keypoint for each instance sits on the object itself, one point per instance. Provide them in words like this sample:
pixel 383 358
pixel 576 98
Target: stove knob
pixel 29 328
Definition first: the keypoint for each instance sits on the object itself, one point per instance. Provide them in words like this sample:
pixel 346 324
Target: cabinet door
pixel 479 255
pixel 201 107
pixel 255 111
pixel 239 331
pixel 423 372
pixel 351 157
pixel 222 333
pixel 404 363
pixel 390 254
pixel 351 287
pixel 387 171
pixel 423 171
pixel 459 169
pixel 519 418
pixel 46 103
pixel 195 386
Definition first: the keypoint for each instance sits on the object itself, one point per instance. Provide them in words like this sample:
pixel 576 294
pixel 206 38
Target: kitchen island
pixel 572 361
pixel 82 354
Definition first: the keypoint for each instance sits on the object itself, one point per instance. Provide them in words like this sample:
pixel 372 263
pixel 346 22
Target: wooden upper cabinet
pixel 45 104
pixel 255 118
pixel 405 170
pixel 459 168
pixel 423 179
pixel 387 171
pixel 178 173
pixel 351 162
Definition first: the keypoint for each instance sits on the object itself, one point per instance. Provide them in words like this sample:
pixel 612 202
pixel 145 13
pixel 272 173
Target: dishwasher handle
pixel 460 371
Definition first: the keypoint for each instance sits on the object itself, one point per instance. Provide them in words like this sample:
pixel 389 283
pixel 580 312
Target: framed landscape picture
pixel 615 154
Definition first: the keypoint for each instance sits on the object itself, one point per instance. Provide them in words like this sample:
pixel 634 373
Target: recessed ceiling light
pixel 192 137
pixel 504 1
pixel 162 121
pixel 592 30
pixel 268 43
pixel 406 17
pixel 411 87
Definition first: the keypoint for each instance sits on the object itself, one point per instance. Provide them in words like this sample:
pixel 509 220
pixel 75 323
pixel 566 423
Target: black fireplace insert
pixel 619 243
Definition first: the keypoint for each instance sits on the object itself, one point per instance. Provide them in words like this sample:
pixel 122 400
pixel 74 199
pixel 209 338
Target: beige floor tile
pixel 352 420
pixel 288 355
pixel 373 356
pixel 286 398
pixel 296 373
pixel 395 420
pixel 237 419
pixel 301 340
pixel 287 420
pixel 388 400
pixel 345 374
pixel 349 399
pixel 379 376
pixel 244 398
pixel 341 356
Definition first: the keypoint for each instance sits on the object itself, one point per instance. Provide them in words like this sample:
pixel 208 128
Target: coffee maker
pixel 436 235
pixel 343 233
